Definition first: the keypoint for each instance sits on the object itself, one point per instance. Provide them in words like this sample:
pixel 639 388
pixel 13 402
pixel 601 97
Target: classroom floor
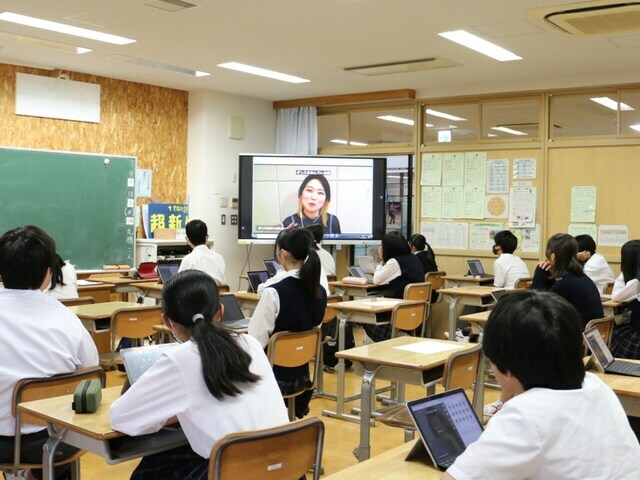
pixel 341 437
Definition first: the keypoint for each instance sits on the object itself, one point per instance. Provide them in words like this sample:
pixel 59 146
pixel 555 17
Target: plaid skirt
pixel 625 342
pixel 180 463
pixel 295 385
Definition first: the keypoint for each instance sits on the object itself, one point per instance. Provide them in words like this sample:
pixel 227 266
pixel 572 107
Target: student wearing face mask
pixel 508 268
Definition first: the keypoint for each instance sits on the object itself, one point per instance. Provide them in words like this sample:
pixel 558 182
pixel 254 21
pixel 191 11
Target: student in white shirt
pixel 64 281
pixel 216 382
pixel 508 268
pixel 326 259
pixel 202 258
pixel 595 265
pixel 40 336
pixel 560 423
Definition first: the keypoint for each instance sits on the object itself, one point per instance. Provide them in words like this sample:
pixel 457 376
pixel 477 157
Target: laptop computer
pixel 138 360
pixel 498 294
pixel 256 278
pixel 477 270
pixel 605 359
pixel 358 272
pixel 232 317
pixel 271 266
pixel 447 425
pixel 167 272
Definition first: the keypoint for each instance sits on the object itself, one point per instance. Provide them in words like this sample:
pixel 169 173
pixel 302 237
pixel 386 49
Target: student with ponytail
pixel 216 382
pixel 295 303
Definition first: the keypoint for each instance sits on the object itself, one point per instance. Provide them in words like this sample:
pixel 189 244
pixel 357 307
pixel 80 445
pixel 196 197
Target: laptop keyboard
pixel 625 368
pixel 447 463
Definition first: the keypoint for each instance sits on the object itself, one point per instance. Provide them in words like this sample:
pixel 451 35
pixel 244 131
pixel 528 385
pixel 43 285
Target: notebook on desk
pixel 233 317
pixel 477 270
pixel 604 358
pixel 447 425
pixel 358 272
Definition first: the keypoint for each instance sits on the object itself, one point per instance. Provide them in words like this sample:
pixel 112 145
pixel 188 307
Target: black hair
pixel 299 243
pixel 565 248
pixel 394 244
pixel 506 240
pixel 56 273
pixel 317 232
pixel 420 243
pixel 537 337
pixel 26 253
pixel 630 260
pixel 585 242
pixel 192 294
pixel 197 232
pixel 327 192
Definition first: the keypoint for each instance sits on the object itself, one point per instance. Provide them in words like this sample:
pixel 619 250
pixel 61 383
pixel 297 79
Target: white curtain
pixel 297 131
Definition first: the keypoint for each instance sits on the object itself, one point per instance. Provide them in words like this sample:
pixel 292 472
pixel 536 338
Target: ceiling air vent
pixel 170 5
pixel 403 66
pixel 594 18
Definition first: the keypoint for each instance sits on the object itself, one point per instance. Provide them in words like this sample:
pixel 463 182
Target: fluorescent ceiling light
pixel 38 42
pixel 344 142
pixel 161 66
pixel 428 125
pixel 480 45
pixel 62 28
pixel 635 127
pixel 508 130
pixel 240 67
pixel 393 118
pixel 612 104
pixel 436 113
pixel 491 135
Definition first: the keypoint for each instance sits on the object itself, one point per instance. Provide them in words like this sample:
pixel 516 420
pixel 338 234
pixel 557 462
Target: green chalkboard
pixel 86 202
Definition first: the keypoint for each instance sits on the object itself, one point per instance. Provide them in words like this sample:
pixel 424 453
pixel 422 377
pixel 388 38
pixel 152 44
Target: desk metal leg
pixel 453 317
pixel 49 451
pixel 363 452
pixel 478 394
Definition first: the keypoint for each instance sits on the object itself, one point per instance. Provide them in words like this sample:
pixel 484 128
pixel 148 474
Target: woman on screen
pixel 314 196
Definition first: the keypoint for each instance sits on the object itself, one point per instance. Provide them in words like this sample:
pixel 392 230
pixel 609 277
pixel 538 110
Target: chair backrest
pixel 293 349
pixel 604 326
pixel 329 312
pixel 608 288
pixel 284 452
pixel 463 368
pixel 134 323
pixel 72 302
pixel 524 282
pixel 407 316
pixel 418 291
pixel 436 279
pixel 223 289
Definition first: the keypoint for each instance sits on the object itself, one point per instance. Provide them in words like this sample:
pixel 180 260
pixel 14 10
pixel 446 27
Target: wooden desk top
pixel 149 285
pixel 370 305
pixel 115 279
pixel 468 279
pixel 101 286
pixel 364 286
pixel 58 411
pixel 622 384
pixel 94 311
pixel 248 296
pixel 468 291
pixel 390 465
pixel 388 353
pixel 478 317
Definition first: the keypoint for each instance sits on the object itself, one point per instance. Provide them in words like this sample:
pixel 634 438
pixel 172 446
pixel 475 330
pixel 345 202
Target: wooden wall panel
pixel 140 120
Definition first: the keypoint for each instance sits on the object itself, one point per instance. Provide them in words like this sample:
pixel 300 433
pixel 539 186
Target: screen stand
pixel 419 452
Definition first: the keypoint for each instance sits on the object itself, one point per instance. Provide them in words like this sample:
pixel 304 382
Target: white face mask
pixel 173 332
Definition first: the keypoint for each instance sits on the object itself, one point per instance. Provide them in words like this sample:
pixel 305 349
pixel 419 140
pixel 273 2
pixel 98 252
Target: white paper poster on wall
pixel 431 169
pixel 498 176
pixel 473 206
pixel 576 229
pixel 528 238
pixel 431 202
pixel 613 235
pixel 481 234
pixel 524 168
pixel 454 235
pixel 453 169
pixel 475 168
pixel 452 201
pixel 522 206
pixel 583 204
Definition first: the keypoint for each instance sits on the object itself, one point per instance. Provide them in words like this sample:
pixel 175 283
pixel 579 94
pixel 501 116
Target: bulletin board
pixel 613 171
pixel 507 195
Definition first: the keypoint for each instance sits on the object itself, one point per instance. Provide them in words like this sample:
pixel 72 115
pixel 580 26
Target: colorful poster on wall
pixel 166 215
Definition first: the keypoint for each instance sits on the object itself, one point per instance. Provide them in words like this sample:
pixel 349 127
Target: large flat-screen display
pixel 343 194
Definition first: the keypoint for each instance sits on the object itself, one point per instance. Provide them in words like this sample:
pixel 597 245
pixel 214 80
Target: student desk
pixel 468 280
pixel 626 388
pixel 478 296
pixel 371 311
pixel 101 292
pixel 92 432
pixel 96 317
pixel 353 290
pixel 391 360
pixel 479 318
pixel 153 289
pixel 123 284
pixel 390 465
pixel 610 307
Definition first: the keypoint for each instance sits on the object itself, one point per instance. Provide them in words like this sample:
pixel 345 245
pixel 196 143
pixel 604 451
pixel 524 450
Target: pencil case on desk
pixel 87 396
pixel 355 280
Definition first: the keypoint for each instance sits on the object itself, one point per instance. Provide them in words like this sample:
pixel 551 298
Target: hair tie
pixel 196 317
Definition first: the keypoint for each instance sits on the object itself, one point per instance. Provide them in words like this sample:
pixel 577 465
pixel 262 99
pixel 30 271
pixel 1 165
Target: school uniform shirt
pixel 205 260
pixel 174 386
pixel 398 272
pixel 70 287
pixel 40 338
pixel 625 342
pixel 545 434
pixel 428 265
pixel 327 261
pixel 507 269
pixel 282 274
pixel 598 270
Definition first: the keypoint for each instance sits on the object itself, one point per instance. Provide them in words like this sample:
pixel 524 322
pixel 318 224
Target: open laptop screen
pixel 475 267
pixel 167 272
pixel 598 347
pixel 256 278
pixel 232 310
pixel 271 266
pixel 447 424
pixel 357 271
